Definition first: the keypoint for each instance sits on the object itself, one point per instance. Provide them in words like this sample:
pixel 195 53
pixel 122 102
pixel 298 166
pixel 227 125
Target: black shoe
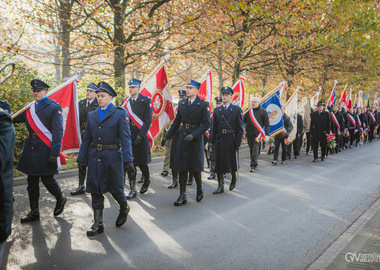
pixel 98 226
pixel 181 200
pixel 211 176
pixel 131 195
pixel 314 160
pixel 190 182
pixel 283 162
pixel 199 196
pixel 164 173
pixel 322 159
pixel 295 156
pixel 174 184
pixel 252 169
pixel 78 191
pixel 144 187
pixel 60 205
pixel 123 214
pixel 220 188
pixel 33 215
pixel 274 162
pixel 233 181
pixel 141 179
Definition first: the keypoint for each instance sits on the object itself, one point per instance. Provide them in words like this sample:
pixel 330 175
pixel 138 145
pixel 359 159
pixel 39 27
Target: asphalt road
pixel 281 217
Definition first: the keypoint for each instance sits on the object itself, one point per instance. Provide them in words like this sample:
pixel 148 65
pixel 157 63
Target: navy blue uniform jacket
pixel 7 142
pixel 190 155
pixel 35 154
pixel 105 168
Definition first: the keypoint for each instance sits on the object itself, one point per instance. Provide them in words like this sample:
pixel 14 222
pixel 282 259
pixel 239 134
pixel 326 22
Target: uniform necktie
pixel 88 104
pixel 133 101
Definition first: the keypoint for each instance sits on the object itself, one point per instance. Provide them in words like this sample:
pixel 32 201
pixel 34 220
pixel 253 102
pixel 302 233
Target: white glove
pixel 266 139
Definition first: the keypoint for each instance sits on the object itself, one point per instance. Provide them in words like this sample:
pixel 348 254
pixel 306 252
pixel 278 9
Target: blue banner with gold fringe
pixel 273 107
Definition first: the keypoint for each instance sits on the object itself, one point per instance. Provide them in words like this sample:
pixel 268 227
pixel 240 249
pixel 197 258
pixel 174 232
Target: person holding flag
pixel 279 139
pixel 226 135
pixel 86 105
pixel 257 129
pixel 39 158
pixel 337 127
pixel 140 112
pixel 106 148
pixel 192 121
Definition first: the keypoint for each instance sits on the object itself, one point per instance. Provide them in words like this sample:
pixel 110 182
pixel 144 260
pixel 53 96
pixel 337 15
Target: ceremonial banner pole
pixel 78 76
pixel 153 73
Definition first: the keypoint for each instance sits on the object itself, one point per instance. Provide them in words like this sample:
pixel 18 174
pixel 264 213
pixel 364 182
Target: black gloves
pixel 53 163
pixel 129 168
pixel 138 140
pixel 163 142
pixel 82 165
pixel 189 138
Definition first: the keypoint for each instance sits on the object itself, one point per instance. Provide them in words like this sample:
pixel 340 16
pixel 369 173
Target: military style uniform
pixel 252 132
pixel 279 139
pixel 84 108
pixel 7 142
pixel 226 135
pixel 192 121
pixel 337 130
pixel 38 160
pixel 142 108
pixel 106 148
pixel 319 127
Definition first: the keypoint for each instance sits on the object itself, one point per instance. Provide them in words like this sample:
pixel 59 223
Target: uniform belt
pixel 187 126
pixel 85 124
pixel 101 147
pixel 33 135
pixel 133 123
pixel 226 131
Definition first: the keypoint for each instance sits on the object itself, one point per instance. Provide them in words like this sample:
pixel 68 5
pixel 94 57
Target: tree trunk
pixel 64 13
pixel 118 42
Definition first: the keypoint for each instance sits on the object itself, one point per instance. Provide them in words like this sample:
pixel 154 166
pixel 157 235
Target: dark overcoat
pixel 105 168
pixel 319 125
pixel 173 146
pixel 143 109
pixel 191 119
pixel 35 154
pixel 339 118
pixel 226 143
pixel 7 142
pixel 83 111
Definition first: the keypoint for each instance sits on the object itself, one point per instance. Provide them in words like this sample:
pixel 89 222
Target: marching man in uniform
pixel 140 112
pixel 41 149
pixel 106 148
pixel 257 128
pixel 86 105
pixel 226 135
pixel 192 121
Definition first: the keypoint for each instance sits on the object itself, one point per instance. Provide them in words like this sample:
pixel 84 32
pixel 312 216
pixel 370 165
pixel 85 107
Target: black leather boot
pixel 220 188
pixel 198 180
pixel 190 181
pixel 141 179
pixel 34 213
pixel 80 190
pixel 98 226
pixel 82 176
pixel 132 194
pixel 233 180
pixel 123 214
pixel 182 190
pixel 145 172
pixel 174 184
pixel 60 205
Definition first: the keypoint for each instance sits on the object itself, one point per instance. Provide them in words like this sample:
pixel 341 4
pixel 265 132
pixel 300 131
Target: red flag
pixel 350 100
pixel 344 97
pixel 332 97
pixel 205 91
pixel 238 88
pixel 68 99
pixel 157 88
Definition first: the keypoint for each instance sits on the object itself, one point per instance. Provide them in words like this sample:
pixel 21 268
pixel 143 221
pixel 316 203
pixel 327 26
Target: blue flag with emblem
pixel 273 107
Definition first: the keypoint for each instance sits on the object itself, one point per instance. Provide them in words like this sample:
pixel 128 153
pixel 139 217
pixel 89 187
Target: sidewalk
pixel 358 247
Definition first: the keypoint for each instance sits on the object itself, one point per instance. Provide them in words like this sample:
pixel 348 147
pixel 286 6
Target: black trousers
pixel 277 143
pixel 98 199
pixel 315 145
pixel 297 143
pixel 254 150
pixel 82 169
pixel 352 136
pixel 49 182
pixel 371 131
pixel 308 142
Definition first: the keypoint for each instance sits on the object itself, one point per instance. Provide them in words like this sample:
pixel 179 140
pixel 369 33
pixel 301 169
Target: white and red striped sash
pixel 43 133
pixel 335 120
pixel 351 119
pixel 138 122
pixel 372 117
pixel 257 125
